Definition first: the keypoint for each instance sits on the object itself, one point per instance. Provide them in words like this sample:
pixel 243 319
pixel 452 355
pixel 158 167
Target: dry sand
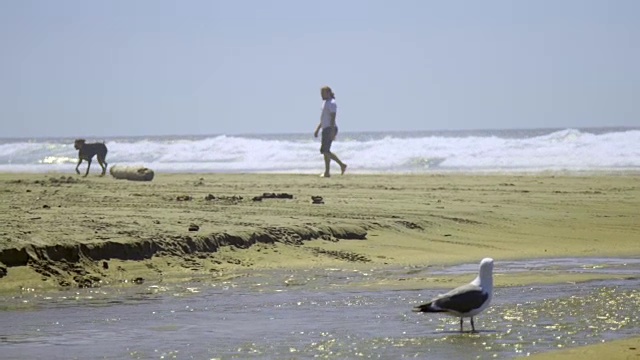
pixel 61 230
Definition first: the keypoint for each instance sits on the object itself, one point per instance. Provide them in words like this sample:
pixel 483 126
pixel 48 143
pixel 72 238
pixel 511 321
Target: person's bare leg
pixel 327 164
pixel 335 158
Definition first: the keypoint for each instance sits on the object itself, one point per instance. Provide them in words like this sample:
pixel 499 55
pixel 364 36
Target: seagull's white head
pixel 486 268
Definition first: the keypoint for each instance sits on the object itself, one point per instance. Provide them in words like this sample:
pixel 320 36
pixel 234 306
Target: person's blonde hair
pixel 326 88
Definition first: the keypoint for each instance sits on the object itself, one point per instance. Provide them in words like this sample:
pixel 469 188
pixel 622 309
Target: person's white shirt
pixel 328 107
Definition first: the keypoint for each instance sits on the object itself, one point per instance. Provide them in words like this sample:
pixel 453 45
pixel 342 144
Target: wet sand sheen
pixel 67 231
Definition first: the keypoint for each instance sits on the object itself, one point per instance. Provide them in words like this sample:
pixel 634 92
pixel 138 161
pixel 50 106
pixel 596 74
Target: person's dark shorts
pixel 328 134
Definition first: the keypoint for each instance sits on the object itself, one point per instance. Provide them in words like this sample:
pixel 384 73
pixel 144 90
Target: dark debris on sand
pixel 272 196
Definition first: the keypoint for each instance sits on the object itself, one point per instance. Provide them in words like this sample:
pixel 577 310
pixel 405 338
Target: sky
pixel 76 68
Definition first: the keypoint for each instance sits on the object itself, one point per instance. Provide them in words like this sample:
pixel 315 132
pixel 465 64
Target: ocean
pixel 533 150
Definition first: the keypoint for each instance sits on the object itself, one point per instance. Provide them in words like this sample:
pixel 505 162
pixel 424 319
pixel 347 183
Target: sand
pixel 62 230
pixel 65 230
pixel 625 349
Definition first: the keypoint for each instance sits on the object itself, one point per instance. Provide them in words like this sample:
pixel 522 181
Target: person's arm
pixel 333 124
pixel 315 133
pixel 333 111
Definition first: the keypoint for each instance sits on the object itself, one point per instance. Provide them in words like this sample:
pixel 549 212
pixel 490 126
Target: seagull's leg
pixel 473 328
pixel 461 324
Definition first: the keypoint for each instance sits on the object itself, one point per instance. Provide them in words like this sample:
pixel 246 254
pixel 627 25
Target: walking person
pixel 329 130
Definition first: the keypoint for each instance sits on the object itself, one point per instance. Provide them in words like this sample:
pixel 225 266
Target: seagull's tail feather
pixel 428 307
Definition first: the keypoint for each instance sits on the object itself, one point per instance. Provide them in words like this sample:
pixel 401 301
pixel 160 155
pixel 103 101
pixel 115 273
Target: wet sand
pixel 613 350
pixel 61 230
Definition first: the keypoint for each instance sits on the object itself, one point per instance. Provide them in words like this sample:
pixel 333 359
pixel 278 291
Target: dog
pixel 88 151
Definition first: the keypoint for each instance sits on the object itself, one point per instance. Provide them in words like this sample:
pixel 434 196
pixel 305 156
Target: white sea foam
pixel 486 151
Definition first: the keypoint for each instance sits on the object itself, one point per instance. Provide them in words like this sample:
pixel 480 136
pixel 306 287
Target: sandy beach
pixel 65 230
pixel 62 230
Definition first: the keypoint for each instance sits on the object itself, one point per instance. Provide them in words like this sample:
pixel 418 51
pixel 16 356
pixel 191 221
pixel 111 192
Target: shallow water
pixel 296 315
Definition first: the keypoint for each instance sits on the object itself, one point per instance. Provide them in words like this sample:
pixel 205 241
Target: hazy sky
pixel 104 68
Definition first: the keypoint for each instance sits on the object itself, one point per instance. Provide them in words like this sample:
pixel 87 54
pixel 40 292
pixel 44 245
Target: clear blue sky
pixel 156 67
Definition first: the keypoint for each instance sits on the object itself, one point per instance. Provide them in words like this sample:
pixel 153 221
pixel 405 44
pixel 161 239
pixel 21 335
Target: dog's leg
pixel 103 165
pixel 79 162
pixel 88 166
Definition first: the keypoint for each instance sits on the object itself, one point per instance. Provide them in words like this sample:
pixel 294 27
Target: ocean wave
pixel 534 150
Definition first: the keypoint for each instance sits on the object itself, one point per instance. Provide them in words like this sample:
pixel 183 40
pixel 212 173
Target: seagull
pixel 467 300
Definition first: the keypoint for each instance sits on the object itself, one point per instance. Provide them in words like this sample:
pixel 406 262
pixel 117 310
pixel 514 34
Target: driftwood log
pixel 134 173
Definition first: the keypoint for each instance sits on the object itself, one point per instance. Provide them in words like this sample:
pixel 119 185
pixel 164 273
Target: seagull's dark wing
pixel 461 300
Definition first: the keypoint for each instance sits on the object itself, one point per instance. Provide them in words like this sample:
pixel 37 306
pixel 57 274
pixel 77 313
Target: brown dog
pixel 88 151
